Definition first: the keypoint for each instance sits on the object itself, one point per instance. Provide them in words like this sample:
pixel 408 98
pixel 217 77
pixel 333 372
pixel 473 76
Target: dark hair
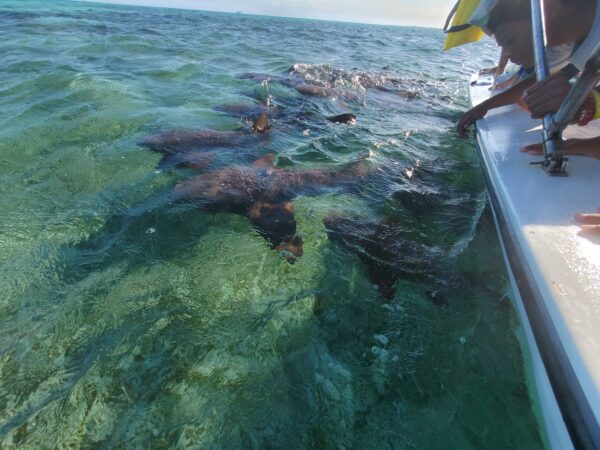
pixel 508 11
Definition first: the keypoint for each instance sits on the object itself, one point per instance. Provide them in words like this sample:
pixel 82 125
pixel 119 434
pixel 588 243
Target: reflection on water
pixel 130 317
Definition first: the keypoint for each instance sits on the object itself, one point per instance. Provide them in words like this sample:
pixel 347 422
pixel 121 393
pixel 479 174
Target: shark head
pixel 153 142
pixel 276 222
pixel 343 118
pixel 291 249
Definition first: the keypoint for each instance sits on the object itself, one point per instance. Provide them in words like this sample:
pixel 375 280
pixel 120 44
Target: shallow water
pixel 129 321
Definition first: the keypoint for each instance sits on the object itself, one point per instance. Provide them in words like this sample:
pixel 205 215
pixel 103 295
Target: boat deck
pixel 560 267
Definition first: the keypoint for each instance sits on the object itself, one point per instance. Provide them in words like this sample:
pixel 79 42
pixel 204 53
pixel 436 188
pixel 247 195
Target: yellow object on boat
pixel 461 32
pixel 596 95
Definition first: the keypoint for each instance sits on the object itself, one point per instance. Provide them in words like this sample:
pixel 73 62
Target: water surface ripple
pixel 128 320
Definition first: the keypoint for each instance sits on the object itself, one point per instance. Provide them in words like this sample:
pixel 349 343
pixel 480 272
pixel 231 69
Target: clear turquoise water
pixel 127 325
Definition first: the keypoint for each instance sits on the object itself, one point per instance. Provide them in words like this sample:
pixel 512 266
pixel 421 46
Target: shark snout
pixel 152 142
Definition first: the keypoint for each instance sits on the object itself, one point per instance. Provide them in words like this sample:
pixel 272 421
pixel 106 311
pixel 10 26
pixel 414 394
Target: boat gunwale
pixel 568 392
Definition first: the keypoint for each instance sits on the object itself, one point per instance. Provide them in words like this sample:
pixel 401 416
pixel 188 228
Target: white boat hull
pixel 555 272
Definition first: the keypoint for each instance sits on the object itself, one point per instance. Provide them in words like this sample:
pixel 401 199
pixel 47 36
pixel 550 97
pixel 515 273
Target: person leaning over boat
pixel 547 96
pixel 589 110
pixel 510 23
pixel 567 20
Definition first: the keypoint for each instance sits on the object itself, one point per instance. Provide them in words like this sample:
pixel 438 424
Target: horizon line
pixel 241 12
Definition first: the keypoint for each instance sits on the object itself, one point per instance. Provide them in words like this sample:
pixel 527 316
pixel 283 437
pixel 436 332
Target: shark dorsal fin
pixel 265 161
pixel 261 124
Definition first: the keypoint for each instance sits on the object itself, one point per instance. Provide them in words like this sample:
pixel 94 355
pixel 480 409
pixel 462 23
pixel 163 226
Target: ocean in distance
pixel 131 320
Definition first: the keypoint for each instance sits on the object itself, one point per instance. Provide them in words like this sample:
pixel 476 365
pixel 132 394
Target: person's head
pixel 566 20
pixel 490 15
pixel 510 23
pixel 515 39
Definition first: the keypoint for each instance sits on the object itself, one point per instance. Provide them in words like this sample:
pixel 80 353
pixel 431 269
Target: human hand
pixel 468 118
pixel 546 96
pixel 583 147
pixel 590 223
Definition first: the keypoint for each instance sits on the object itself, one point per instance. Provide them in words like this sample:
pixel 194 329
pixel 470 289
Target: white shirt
pixel 559 56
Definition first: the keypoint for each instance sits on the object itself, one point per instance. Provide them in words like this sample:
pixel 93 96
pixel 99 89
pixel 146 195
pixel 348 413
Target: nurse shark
pixel 198 148
pixel 384 249
pixel 264 194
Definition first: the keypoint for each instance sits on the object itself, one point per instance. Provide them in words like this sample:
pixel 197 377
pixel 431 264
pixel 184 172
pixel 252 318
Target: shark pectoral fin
pixel 166 161
pixel 192 160
pixel 276 222
pixel 154 143
pixel 265 161
pixel 198 161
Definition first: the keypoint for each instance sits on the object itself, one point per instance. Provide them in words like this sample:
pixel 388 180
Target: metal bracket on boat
pixel 554 163
pixel 555 166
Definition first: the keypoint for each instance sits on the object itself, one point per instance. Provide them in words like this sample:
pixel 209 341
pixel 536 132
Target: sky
pixel 426 13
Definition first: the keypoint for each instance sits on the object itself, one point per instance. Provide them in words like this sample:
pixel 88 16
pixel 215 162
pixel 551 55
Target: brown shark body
pixel 312 90
pixel 263 194
pixel 383 249
pixel 243 185
pixel 177 141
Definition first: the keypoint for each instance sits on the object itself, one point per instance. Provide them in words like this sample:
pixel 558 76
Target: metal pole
pixel 584 84
pixel 539 39
pixel 553 161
